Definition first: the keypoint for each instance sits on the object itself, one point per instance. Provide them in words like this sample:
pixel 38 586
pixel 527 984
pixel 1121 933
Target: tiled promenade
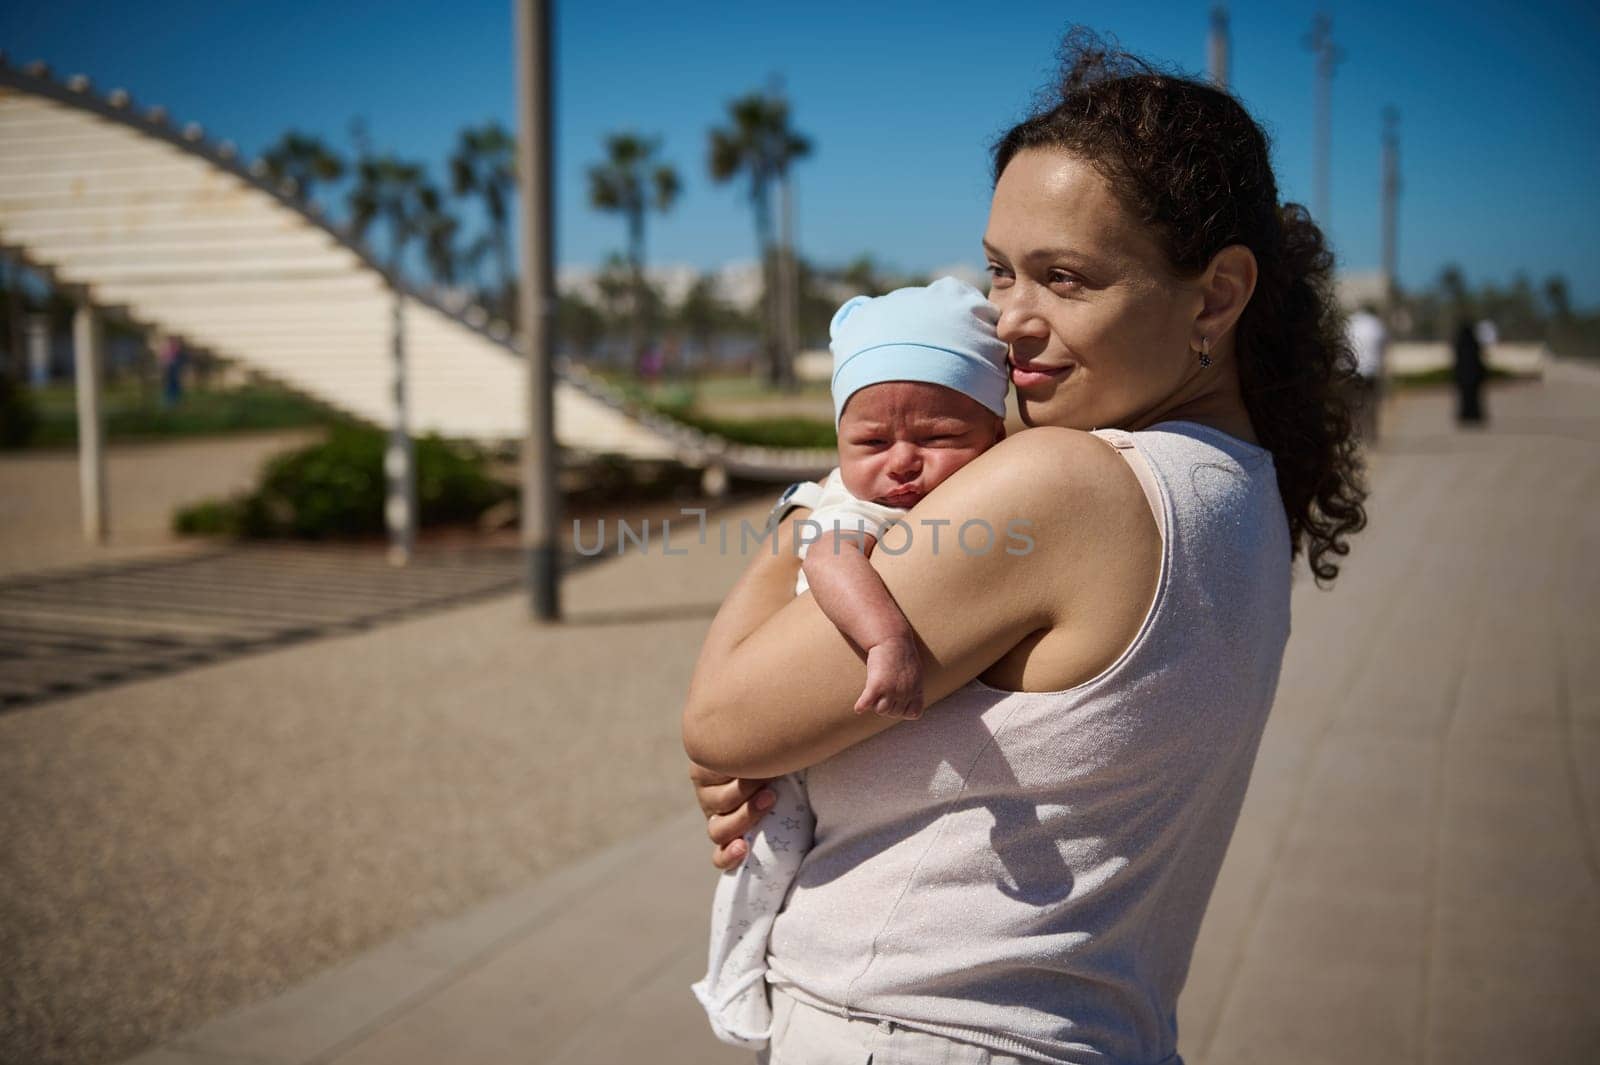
pixel 463 839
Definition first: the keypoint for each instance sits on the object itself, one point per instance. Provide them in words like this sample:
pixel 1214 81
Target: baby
pixel 919 390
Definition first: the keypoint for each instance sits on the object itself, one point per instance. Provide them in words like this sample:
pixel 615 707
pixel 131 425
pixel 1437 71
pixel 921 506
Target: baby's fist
pixel 894 681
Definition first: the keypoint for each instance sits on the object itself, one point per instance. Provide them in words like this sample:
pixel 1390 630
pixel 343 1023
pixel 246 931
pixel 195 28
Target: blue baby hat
pixel 943 334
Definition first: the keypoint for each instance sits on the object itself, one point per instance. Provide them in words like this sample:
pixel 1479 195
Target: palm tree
pixel 632 183
pixel 864 277
pixel 484 165
pixel 390 191
pixel 305 160
pixel 759 145
pixel 438 230
pixel 703 314
pixel 1558 297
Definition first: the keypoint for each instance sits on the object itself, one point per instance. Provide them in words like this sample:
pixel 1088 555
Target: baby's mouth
pixel 902 497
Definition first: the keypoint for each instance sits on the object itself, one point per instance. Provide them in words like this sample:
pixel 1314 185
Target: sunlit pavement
pixel 39 525
pixel 465 839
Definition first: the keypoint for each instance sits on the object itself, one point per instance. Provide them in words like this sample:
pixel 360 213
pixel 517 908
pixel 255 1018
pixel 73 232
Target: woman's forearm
pixel 776 683
pixel 737 719
pixel 766 584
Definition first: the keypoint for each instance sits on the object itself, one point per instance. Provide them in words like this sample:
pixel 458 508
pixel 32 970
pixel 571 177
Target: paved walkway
pixel 466 839
pixel 72 631
pixel 39 503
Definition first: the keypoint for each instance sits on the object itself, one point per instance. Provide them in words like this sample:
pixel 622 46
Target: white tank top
pixel 1028 870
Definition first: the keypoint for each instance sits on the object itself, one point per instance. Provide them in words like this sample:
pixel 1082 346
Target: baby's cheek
pixel 952 460
pixel 858 475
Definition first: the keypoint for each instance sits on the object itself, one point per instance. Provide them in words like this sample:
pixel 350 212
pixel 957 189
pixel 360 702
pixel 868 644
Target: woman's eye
pixel 1061 277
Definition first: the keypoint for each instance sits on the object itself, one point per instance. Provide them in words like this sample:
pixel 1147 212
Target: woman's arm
pixel 775 683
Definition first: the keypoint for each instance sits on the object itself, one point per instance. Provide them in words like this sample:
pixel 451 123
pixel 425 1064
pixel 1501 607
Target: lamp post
pixel 1391 202
pixel 1320 42
pixel 540 500
pixel 1217 46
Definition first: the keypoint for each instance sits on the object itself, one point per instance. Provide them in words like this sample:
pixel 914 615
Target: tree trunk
pixel 636 272
pixel 772 364
pixel 505 298
pixel 11 281
pixel 788 301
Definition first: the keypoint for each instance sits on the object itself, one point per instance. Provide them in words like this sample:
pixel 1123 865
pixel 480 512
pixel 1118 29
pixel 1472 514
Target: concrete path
pixel 40 517
pixel 1414 877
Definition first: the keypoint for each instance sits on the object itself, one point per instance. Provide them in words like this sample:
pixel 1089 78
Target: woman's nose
pixel 1018 321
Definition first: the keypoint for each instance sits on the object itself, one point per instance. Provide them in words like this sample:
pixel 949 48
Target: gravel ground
pixel 179 846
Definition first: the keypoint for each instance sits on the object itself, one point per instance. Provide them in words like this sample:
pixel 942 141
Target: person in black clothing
pixel 1469 375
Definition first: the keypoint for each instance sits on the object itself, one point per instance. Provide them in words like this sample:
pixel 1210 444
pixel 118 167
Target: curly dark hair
pixel 1188 160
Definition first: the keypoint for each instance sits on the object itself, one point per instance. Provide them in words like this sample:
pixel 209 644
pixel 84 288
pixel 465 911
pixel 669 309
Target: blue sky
pixel 1500 135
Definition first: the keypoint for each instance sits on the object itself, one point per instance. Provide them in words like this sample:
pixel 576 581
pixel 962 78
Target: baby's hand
pixel 894 680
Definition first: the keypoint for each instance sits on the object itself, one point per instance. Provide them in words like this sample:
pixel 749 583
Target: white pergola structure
pixel 171 231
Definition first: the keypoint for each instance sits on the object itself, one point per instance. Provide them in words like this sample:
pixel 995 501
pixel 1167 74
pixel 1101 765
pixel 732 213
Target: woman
pixel 1469 374
pixel 1020 875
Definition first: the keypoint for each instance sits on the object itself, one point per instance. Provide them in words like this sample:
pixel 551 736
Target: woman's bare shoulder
pixel 1047 469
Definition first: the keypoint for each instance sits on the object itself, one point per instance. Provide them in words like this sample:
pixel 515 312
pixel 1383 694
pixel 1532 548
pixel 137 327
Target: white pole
pixel 1391 202
pixel 1217 50
pixel 37 327
pixel 540 501
pixel 1320 41
pixel 399 460
pixel 88 359
pixel 786 269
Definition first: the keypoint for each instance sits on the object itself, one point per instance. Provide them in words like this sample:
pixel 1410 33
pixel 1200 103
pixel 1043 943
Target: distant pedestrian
pixel 650 363
pixel 169 354
pixel 1488 334
pixel 1369 339
pixel 1469 375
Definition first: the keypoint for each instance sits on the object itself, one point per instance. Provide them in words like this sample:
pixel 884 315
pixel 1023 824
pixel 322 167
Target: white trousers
pixel 805 1035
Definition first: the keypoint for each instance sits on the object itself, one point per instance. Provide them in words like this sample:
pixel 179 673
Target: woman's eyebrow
pixel 1068 255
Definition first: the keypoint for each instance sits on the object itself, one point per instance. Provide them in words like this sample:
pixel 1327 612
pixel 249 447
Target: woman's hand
pixel 732 806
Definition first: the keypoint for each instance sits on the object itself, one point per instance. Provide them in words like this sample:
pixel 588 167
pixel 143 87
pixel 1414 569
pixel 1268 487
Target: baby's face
pixel 900 439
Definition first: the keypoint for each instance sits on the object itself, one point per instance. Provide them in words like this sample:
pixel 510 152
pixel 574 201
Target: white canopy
pixel 172 231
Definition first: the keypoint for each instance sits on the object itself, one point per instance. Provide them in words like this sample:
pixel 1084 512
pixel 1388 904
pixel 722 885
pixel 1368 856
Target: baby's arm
pixel 853 597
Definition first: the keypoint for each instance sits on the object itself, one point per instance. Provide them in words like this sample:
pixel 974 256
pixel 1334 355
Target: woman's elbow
pixel 711 744
pixel 701 736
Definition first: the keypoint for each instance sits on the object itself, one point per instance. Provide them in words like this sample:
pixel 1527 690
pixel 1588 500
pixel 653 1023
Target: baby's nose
pixel 905 461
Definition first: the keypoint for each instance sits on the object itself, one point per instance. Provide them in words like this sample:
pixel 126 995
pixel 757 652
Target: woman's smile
pixel 1026 374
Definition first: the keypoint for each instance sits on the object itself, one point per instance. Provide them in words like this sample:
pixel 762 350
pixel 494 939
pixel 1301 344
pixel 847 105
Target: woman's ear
pixel 1226 287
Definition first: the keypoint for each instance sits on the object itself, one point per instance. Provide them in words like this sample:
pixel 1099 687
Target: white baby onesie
pixel 749 896
pixel 838 510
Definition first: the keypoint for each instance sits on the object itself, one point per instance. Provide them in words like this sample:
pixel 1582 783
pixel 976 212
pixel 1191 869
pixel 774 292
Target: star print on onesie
pixel 747 901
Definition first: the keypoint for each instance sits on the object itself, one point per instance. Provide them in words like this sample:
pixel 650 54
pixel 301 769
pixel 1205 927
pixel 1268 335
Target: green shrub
pixel 1442 375
pixel 337 489
pixel 132 414
pixel 611 478
pixel 213 517
pixel 19 415
pixel 765 432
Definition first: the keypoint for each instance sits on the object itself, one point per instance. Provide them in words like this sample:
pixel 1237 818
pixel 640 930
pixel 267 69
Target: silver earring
pixel 1205 351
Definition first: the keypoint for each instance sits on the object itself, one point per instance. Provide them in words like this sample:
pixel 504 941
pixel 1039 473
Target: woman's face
pixel 1100 330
